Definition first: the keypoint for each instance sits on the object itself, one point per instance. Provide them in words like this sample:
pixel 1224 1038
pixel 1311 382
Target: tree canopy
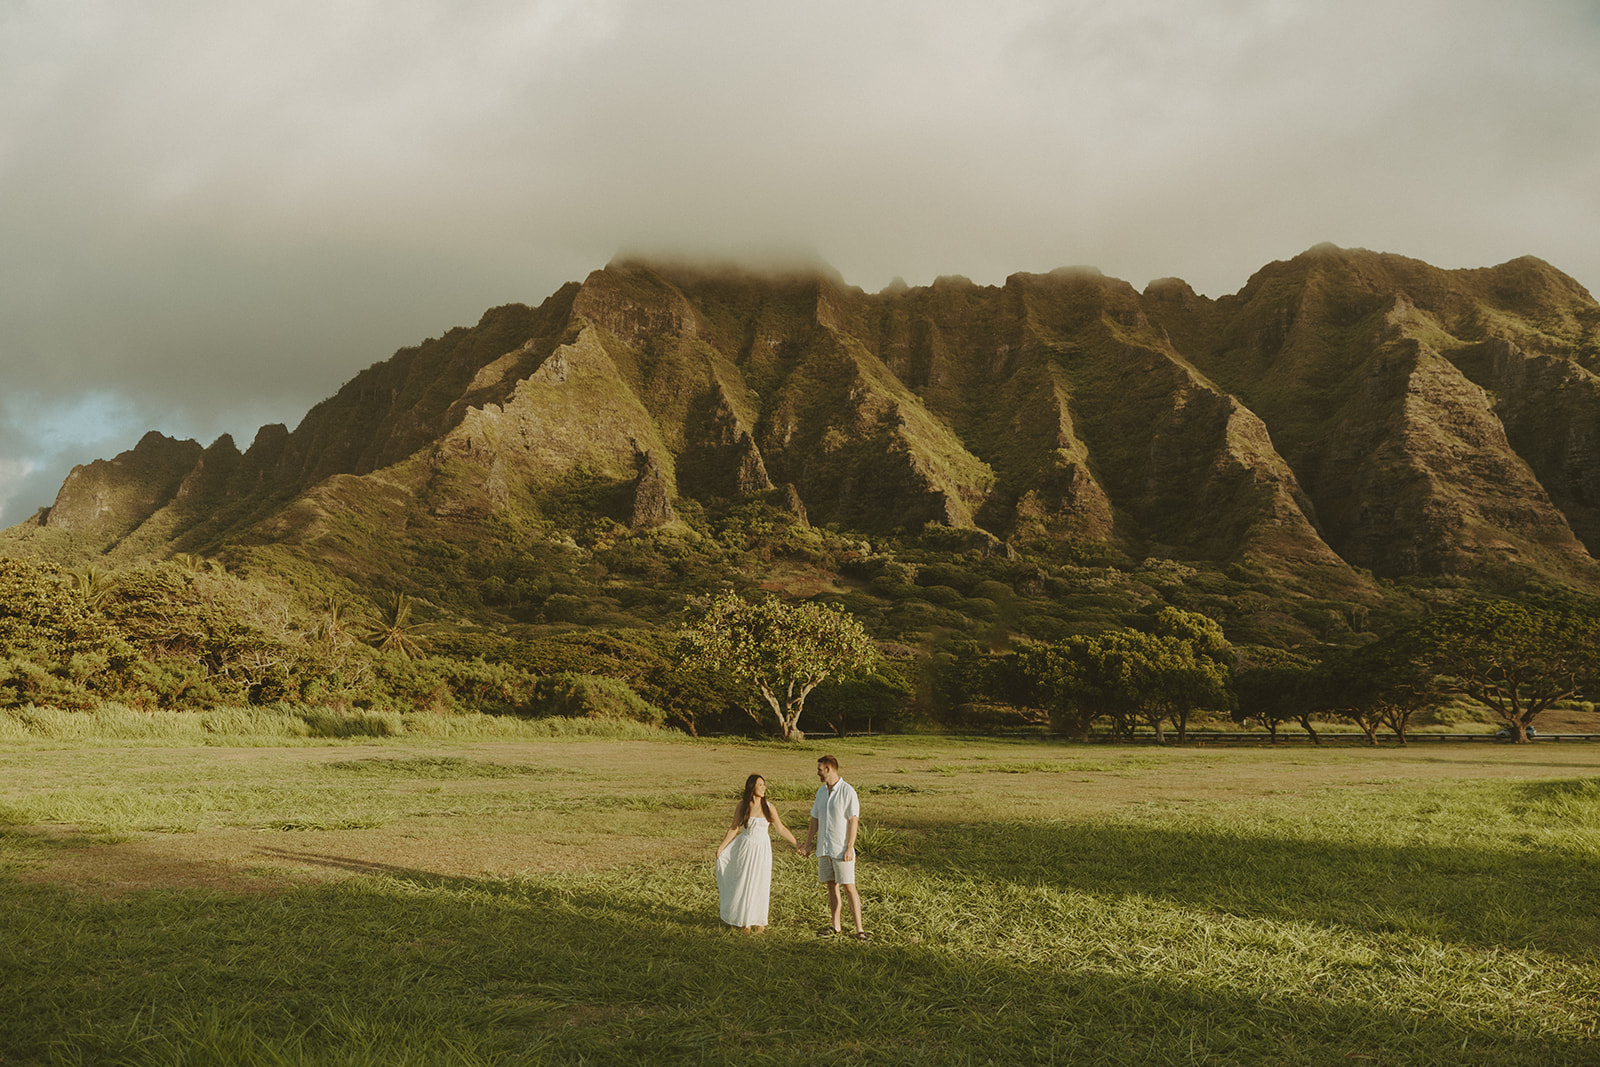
pixel 42 615
pixel 1517 659
pixel 783 650
pixel 1181 664
pixel 1381 684
pixel 1283 689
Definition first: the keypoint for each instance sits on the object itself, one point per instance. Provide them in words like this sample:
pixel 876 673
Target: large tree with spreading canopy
pixel 1517 659
pixel 783 650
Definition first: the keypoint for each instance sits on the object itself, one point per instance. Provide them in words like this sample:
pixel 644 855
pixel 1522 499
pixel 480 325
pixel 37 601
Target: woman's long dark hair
pixel 749 800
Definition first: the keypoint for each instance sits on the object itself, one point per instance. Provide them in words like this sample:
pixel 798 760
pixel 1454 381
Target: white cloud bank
pixel 211 215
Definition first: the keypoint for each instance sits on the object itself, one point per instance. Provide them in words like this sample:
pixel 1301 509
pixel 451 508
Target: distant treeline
pixel 187 634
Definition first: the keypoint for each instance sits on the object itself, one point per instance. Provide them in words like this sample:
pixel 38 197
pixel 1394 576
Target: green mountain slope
pixel 1345 415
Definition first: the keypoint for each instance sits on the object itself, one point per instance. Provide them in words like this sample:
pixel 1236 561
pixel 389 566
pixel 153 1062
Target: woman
pixel 744 859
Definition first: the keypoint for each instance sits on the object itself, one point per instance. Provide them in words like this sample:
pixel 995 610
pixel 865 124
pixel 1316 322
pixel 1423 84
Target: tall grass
pixel 280 724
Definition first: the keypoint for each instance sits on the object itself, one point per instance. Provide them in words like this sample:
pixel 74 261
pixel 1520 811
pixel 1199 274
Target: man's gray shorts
pixel 832 870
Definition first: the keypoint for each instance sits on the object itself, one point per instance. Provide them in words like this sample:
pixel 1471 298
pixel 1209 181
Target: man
pixel 835 817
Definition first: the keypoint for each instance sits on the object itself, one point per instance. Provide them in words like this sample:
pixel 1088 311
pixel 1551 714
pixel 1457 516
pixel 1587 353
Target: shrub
pixel 435 684
pixel 588 696
pixel 24 682
pixel 42 618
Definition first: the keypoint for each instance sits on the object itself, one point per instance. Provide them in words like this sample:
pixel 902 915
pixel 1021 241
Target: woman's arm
pixel 783 831
pixel 733 831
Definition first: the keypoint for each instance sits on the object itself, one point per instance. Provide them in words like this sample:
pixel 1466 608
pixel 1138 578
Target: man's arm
pixel 811 837
pixel 850 827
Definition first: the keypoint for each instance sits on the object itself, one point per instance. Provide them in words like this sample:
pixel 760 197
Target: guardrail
pixel 1323 736
pixel 1232 737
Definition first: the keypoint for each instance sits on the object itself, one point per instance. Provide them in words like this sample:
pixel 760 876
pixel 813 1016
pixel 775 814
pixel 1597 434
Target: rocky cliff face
pixel 107 499
pixel 1343 409
pixel 1439 421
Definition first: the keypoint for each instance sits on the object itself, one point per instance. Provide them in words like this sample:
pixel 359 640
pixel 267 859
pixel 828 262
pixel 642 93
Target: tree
pixel 1163 678
pixel 210 634
pixel 394 631
pixel 1202 633
pixel 870 697
pixel 1517 659
pixel 93 585
pixel 1066 679
pixel 332 628
pixel 1193 667
pixel 53 648
pixel 1133 676
pixel 1381 684
pixel 783 650
pixel 1272 694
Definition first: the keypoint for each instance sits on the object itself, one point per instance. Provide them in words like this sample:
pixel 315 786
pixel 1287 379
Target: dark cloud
pixel 211 215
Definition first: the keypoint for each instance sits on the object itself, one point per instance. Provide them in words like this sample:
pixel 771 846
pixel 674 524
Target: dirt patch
pixel 252 861
pixel 56 856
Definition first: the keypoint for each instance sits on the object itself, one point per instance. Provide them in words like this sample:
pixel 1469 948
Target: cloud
pixel 42 437
pixel 218 213
pixel 13 477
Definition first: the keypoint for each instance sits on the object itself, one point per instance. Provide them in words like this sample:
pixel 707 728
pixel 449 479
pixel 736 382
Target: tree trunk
pixel 1398 720
pixel 1305 724
pixel 786 710
pixel 1075 722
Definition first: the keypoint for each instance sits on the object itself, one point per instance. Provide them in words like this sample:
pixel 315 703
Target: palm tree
pixel 332 628
pixel 394 631
pixel 94 585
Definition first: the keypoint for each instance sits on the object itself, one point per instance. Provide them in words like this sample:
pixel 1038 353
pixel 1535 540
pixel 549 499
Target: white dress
pixel 744 875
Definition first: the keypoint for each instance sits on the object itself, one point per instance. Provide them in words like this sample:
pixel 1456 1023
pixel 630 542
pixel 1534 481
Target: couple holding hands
pixel 744 859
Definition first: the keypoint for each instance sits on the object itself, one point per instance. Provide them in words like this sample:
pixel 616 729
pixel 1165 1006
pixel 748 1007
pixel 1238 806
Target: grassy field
pixel 528 900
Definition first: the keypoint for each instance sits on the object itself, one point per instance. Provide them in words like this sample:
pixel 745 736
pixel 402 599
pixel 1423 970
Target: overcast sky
pixel 213 213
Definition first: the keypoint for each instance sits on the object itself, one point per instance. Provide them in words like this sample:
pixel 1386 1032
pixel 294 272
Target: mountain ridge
pixel 1347 414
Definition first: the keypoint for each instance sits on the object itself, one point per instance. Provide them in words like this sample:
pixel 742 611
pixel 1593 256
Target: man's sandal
pixel 861 935
pixel 827 931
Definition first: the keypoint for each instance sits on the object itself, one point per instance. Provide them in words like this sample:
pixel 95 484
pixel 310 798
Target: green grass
pixel 1027 905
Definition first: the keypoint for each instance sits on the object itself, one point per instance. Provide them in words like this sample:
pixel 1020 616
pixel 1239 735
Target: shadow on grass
pixel 410 967
pixel 351 865
pixel 1539 766
pixel 1486 897
pixel 34 839
pixel 1569 788
pixel 517 889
